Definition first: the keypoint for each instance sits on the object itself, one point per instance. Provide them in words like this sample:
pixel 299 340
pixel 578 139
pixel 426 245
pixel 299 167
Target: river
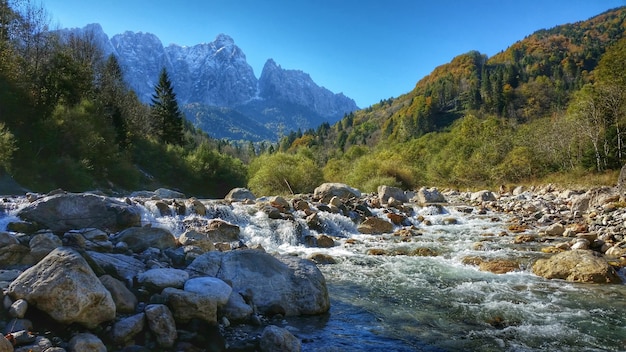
pixel 396 302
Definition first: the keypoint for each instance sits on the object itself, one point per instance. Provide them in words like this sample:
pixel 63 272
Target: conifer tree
pixel 166 115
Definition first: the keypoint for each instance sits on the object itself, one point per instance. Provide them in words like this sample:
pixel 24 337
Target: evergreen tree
pixel 166 115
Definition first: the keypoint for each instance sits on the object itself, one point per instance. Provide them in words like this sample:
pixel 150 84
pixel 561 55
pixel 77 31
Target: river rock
pixel 556 229
pixel 499 266
pixel 198 239
pixel 615 252
pixel 5 345
pixel 69 211
pixel 577 266
pixel 120 266
pixel 240 195
pixel 222 231
pixel 195 206
pixel 126 329
pixel 15 255
pixel 64 286
pixel 18 309
pixel 7 239
pixel 483 196
pixel 293 283
pixel 40 344
pixel 161 278
pixel 277 339
pixel 211 287
pixel 324 241
pixel 86 342
pixel 186 305
pixel 162 324
pixel 236 309
pixel 168 194
pixel 375 225
pixel 429 195
pixel 326 191
pixel 42 244
pixel 141 238
pixel 386 192
pixel 125 301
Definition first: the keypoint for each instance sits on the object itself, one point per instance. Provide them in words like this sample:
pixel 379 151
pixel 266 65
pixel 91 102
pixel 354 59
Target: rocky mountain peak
pixel 216 75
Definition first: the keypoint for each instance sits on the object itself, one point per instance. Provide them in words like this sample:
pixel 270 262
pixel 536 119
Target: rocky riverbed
pixel 89 272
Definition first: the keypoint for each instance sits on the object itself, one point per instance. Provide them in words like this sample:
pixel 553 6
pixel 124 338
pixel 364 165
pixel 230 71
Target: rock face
pixel 295 284
pixel 576 266
pixel 64 286
pixel 69 211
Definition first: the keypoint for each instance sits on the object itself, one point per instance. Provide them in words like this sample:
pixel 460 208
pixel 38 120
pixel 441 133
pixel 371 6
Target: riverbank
pixel 154 249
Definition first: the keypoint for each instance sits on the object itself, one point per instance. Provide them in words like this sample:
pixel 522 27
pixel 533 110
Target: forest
pixel 550 108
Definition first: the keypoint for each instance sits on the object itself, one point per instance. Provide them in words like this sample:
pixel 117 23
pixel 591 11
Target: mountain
pixel 533 78
pixel 217 88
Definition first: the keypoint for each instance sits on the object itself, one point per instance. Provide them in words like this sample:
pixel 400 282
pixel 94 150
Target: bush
pixel 282 173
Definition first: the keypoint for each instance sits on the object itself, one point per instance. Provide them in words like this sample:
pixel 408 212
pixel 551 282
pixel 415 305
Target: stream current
pixel 430 303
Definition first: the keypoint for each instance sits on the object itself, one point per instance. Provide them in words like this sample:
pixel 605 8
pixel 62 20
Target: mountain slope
pixel 533 78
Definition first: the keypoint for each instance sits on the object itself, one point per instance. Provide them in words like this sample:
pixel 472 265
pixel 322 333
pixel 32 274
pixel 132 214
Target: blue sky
pixel 369 50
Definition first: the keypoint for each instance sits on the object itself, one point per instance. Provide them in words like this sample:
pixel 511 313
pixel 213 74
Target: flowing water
pixel 432 303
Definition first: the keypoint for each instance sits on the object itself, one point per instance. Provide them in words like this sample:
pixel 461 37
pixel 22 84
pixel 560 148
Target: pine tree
pixel 166 115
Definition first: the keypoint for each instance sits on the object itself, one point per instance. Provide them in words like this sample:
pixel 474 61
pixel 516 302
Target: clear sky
pixel 369 50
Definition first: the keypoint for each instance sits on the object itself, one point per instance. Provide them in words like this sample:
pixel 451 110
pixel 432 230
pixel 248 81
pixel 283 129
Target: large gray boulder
pixel 186 305
pixel 139 239
pixel 69 211
pixel 577 266
pixel 386 192
pixel 429 195
pixel 63 285
pixel 326 191
pixel 162 324
pixel 239 195
pixel 292 283
pixel 277 339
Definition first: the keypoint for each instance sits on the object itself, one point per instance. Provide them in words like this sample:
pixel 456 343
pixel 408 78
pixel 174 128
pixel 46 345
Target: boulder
pixel 162 324
pixel 556 229
pixel 221 231
pixel 141 238
pixel 186 305
pixel 293 283
pixel 14 255
pixel 236 309
pixel 429 195
pixel 324 241
pixel 120 266
pixel 126 329
pixel 5 345
pixel 386 192
pixel 375 225
pixel 483 196
pixel 196 207
pixel 125 301
pixel 63 285
pixel 18 309
pixel 198 239
pixel 326 191
pixel 168 193
pixel 161 278
pixel 277 339
pixel 576 266
pixel 42 244
pixel 211 287
pixel 69 211
pixel 86 342
pixel 239 195
pixel 7 239
pixel 499 266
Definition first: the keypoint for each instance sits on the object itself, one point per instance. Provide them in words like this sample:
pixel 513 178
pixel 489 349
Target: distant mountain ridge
pixel 217 88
